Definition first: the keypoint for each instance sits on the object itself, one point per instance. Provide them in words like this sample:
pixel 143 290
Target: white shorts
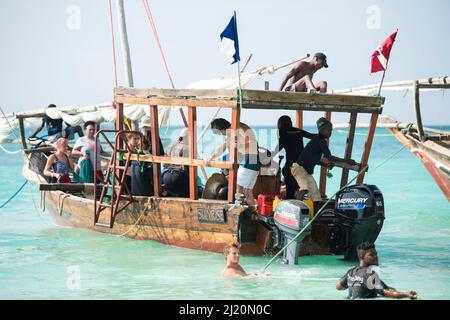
pixel 246 178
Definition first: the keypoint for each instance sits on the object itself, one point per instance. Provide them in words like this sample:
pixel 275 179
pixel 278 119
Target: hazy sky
pixel 58 51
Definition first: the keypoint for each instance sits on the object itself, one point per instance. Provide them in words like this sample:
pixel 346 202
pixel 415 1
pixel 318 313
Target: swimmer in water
pixel 364 283
pixel 233 268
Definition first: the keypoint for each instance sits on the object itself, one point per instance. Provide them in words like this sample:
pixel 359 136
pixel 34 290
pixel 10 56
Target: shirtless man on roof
pixel 299 79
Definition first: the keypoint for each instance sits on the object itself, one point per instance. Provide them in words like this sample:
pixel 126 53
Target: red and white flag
pixel 381 54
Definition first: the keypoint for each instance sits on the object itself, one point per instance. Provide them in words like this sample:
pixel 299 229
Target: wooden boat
pixel 430 145
pixel 193 222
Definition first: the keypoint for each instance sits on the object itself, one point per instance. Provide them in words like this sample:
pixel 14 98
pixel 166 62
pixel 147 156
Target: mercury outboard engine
pixel 290 217
pixel 358 216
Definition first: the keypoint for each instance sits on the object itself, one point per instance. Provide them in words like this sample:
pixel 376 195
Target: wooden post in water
pixel 232 177
pixel 417 108
pixel 154 129
pixel 323 170
pixel 368 145
pixel 193 180
pixel 349 146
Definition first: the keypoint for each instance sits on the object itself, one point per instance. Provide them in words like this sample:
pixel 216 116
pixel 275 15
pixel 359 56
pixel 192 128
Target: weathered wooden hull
pixel 202 225
pixel 436 163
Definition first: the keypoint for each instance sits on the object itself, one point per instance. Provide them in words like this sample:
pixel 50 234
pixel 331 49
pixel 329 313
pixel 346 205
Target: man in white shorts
pixel 247 148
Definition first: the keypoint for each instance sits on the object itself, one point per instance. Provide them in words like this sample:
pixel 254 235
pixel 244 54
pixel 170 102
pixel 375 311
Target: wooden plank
pixel 275 105
pixel 74 187
pixel 171 102
pixel 349 146
pixel 232 177
pixel 193 180
pixel 181 161
pixel 299 119
pixel 22 134
pixel 282 97
pixel 417 109
pixel 39 150
pixel 368 146
pixel 323 170
pixel 23 115
pixel 230 94
pixel 433 86
pixel 155 149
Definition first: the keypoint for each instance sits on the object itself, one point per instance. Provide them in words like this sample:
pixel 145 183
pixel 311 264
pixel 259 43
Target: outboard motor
pixel 290 217
pixel 358 217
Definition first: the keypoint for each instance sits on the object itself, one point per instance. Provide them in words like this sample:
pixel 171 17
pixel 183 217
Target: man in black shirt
pixel 54 127
pixel 363 283
pixel 303 169
pixel 290 139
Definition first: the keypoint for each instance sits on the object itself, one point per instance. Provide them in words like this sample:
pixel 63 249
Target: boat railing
pixel 238 100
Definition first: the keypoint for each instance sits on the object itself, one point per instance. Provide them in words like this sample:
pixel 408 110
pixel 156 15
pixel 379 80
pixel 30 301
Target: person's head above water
pixel 220 126
pixel 325 127
pixel 367 254
pixel 232 253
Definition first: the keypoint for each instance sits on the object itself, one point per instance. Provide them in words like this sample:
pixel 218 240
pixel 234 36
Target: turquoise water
pixel 40 260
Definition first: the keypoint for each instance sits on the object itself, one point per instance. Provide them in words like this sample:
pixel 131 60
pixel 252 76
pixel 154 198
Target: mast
pixel 124 43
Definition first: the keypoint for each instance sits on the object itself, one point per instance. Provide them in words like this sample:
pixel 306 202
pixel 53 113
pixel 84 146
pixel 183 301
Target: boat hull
pixel 437 163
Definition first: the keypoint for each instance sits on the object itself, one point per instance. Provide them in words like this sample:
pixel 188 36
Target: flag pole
pixel 382 79
pixel 384 72
pixel 239 66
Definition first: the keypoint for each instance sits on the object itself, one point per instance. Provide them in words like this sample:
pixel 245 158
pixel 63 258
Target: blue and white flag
pixel 228 42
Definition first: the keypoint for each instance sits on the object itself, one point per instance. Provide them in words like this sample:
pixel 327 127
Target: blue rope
pixel 15 194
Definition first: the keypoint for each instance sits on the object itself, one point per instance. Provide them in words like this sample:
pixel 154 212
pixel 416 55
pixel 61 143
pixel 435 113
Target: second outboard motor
pixel 290 217
pixel 358 216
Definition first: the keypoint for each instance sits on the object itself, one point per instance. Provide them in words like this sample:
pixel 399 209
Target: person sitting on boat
pixel 290 139
pixel 84 148
pixel 141 172
pixel 299 79
pixel 54 128
pixel 303 169
pixel 176 177
pixel 362 282
pixel 233 268
pixel 247 149
pixel 60 162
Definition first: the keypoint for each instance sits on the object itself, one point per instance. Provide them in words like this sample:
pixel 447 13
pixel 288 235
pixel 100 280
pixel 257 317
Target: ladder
pixel 115 194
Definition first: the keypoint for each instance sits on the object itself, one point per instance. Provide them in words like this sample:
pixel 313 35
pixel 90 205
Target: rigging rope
pixel 155 33
pixel 15 194
pixel 10 152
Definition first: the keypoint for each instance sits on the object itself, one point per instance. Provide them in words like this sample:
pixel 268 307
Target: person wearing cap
pixel 303 169
pixel 299 79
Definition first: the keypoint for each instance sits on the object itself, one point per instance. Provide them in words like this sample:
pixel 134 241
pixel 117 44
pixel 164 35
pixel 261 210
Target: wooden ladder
pixel 114 189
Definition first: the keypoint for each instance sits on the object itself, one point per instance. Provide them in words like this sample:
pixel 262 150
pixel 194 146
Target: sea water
pixel 40 260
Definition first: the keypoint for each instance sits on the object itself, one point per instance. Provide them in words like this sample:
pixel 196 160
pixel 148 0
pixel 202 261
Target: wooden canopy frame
pixel 251 99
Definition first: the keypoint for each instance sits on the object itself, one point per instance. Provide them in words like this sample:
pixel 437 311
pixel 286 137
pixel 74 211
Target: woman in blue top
pixel 60 162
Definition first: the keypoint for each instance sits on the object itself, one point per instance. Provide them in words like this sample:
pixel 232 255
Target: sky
pixel 59 51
